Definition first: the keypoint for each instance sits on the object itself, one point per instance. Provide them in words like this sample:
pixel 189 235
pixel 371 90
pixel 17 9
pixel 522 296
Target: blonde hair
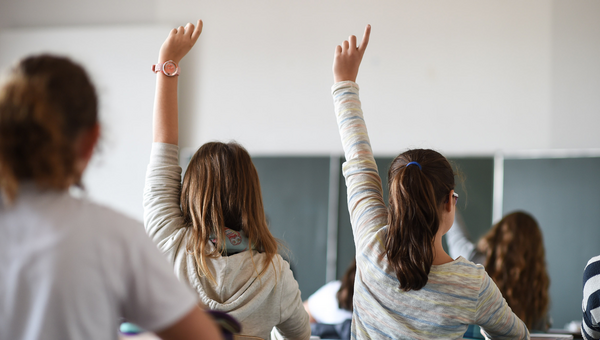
pixel 45 104
pixel 221 189
pixel 516 261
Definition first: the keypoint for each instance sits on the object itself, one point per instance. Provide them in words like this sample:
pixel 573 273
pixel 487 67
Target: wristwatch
pixel 169 68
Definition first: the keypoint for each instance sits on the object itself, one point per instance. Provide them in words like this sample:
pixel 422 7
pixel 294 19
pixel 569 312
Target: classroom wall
pixel 466 77
pixel 575 73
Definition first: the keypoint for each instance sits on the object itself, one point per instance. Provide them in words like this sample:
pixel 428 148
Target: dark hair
pixel 221 189
pixel 416 195
pixel 516 261
pixel 45 104
pixel 345 294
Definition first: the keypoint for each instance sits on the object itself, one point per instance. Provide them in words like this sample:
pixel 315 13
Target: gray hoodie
pixel 258 302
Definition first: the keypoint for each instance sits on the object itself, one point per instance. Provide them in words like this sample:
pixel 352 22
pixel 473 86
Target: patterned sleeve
pixel 494 315
pixel 368 212
pixel 590 327
pixel 162 215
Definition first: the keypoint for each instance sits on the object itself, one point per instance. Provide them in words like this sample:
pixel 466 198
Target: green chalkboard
pixel 475 185
pixel 295 194
pixel 563 194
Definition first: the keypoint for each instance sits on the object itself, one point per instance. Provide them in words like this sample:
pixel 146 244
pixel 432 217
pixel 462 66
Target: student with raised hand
pixel 513 254
pixel 69 268
pixel 590 326
pixel 406 286
pixel 213 227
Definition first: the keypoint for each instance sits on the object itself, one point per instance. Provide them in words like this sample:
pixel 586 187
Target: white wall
pixel 462 76
pixel 455 76
pixel 117 59
pixel 575 74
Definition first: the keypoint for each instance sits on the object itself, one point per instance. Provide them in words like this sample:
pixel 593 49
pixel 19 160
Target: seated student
pixel 330 307
pixel 213 227
pixel 590 327
pixel 406 286
pixel 513 254
pixel 70 268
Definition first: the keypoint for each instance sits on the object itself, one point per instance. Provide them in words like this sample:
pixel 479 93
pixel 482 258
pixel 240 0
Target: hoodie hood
pixel 238 290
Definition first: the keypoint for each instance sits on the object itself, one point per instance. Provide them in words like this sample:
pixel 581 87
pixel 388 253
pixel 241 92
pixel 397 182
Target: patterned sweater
pixel 590 327
pixel 457 294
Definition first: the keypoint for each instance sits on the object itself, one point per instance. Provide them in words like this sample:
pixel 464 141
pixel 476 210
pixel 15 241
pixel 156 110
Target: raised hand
pixel 179 42
pixel 348 56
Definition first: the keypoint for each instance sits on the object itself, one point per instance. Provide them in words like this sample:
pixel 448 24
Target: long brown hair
pixel 221 189
pixel 417 192
pixel 345 294
pixel 516 261
pixel 45 104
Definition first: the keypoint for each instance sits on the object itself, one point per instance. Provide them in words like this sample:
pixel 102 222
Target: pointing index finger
pixel 365 39
pixel 197 30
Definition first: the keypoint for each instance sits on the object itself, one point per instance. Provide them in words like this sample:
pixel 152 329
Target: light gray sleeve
pixel 162 214
pixel 494 315
pixel 294 319
pixel 459 243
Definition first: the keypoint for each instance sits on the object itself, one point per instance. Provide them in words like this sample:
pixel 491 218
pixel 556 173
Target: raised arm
pixel 459 243
pixel 162 214
pixel 179 42
pixel 365 193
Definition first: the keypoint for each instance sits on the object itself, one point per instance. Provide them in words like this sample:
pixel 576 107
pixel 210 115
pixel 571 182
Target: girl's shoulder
pixel 459 278
pixel 460 268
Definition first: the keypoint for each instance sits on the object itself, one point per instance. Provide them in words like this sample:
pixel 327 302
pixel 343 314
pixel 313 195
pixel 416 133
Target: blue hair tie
pixel 417 164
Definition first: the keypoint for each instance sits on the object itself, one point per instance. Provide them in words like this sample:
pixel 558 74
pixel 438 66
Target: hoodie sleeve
pixel 162 215
pixel 294 319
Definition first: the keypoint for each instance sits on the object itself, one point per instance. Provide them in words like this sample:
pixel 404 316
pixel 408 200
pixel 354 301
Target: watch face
pixel 170 68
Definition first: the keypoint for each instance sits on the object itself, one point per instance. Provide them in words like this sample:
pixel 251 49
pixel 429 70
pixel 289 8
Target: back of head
pixel 417 193
pixel 46 102
pixel 221 189
pixel 516 261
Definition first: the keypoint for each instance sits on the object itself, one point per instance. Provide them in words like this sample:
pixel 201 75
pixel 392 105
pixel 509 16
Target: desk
pixel 474 333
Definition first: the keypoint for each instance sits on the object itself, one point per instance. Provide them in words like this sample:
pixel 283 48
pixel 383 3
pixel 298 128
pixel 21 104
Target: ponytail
pixel 45 104
pixel 417 191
